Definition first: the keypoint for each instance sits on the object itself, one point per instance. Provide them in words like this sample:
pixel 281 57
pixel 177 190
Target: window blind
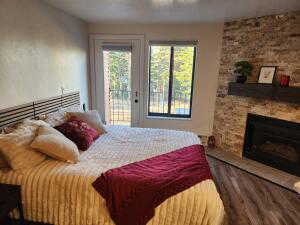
pixel 117 47
pixel 173 43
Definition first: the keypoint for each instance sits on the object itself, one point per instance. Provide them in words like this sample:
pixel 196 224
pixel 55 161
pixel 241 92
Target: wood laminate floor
pixel 251 200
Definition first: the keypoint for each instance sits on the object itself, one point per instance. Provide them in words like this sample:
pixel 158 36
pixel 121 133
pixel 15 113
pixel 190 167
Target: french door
pixel 117 81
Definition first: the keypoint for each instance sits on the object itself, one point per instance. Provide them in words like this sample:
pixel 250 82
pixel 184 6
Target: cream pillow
pixel 297 187
pixel 36 123
pixel 45 130
pixel 10 128
pixel 92 118
pixel 15 148
pixel 54 144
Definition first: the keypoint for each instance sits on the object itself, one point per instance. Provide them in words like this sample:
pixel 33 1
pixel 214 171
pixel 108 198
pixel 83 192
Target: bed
pixel 61 194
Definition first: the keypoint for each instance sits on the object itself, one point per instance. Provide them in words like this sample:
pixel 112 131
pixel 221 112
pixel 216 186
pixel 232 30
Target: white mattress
pixel 61 194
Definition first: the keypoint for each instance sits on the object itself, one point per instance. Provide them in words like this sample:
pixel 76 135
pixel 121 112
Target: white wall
pixel 210 37
pixel 41 49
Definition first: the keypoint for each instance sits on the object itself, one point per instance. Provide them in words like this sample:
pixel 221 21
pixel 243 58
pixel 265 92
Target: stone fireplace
pixel 273 142
pixel 265 41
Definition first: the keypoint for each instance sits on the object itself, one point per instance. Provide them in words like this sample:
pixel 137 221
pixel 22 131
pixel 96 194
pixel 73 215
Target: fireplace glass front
pixel 273 142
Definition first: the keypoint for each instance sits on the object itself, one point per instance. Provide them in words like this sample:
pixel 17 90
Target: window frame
pixel 171 68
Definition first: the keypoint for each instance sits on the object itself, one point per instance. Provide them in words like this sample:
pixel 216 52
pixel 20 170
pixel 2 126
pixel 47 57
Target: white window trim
pixel 147 84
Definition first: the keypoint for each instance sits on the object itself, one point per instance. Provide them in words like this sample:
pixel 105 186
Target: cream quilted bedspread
pixel 61 194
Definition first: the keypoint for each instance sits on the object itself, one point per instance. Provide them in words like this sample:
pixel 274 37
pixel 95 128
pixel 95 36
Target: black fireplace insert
pixel 273 142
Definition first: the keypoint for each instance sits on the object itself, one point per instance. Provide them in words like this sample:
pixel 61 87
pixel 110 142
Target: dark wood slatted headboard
pixel 34 109
pixel 46 106
pixel 16 114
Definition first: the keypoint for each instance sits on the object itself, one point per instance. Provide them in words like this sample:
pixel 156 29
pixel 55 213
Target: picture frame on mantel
pixel 267 74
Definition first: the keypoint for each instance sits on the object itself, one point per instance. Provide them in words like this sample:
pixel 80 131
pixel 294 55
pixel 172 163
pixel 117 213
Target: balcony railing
pixel 120 105
pixel 180 104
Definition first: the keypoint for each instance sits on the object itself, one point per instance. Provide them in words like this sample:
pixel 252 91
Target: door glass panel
pixel 117 77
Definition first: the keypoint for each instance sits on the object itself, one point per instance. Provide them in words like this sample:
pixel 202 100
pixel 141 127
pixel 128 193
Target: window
pixel 171 76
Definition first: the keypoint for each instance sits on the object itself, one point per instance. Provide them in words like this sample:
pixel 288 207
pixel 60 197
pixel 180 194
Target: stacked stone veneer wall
pixel 270 40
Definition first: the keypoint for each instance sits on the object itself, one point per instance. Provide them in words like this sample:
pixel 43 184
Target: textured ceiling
pixel 172 11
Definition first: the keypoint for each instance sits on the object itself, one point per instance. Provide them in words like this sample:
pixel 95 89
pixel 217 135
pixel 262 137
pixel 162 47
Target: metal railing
pixel 180 104
pixel 120 105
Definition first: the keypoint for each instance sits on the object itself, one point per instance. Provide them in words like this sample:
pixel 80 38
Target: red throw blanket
pixel 133 191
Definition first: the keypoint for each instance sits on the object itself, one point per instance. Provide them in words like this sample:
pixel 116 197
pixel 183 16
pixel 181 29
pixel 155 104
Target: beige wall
pixel 41 49
pixel 210 37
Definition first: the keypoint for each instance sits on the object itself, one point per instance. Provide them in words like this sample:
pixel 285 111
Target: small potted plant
pixel 242 70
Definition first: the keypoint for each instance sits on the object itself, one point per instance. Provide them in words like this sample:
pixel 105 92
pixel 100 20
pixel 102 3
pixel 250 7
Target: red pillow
pixel 79 132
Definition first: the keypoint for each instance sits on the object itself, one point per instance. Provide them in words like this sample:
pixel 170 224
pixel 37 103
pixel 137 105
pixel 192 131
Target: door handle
pixel 136 101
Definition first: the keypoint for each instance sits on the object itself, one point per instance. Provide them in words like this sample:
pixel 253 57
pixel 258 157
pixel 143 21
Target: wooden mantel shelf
pixel 265 91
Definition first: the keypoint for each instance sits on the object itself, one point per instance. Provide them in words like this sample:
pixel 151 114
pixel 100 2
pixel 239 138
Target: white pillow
pixel 54 144
pixel 56 118
pixel 59 117
pixel 16 150
pixel 72 108
pixel 92 118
